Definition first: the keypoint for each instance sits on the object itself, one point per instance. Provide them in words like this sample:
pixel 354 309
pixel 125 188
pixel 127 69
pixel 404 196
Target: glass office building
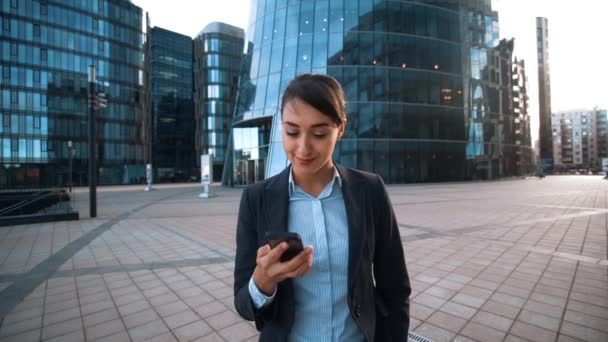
pixel 172 105
pixel 46 48
pixel 218 51
pixel 422 79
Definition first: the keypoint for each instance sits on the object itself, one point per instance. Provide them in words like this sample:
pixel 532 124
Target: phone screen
pixel 293 240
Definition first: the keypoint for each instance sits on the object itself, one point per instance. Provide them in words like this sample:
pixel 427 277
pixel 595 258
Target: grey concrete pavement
pixel 516 260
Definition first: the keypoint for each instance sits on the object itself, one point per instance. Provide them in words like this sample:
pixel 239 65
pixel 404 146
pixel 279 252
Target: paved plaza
pixel 511 260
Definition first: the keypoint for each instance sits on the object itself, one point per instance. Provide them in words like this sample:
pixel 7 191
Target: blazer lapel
pixel 276 202
pixel 354 201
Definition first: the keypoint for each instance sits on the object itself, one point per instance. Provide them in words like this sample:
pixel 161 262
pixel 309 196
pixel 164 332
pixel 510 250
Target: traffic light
pixel 100 101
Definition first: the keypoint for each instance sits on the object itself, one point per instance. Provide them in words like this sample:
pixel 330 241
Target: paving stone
pixel 100 317
pixel 447 321
pixel 583 333
pixel 148 330
pixel 458 310
pixel 532 333
pixel 74 336
pixel 493 321
pixel 192 331
pixel 539 320
pixel 238 332
pixel 223 320
pixel 480 332
pixel 435 333
pixel 104 329
pixel 62 328
pixel 21 326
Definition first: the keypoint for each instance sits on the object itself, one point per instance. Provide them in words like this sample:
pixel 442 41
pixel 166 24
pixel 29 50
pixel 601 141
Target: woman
pixel 351 282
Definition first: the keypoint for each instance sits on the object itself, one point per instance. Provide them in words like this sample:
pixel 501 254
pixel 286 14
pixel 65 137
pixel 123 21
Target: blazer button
pixel 358 310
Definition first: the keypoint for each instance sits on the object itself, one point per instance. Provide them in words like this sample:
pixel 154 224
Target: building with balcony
pixel 579 139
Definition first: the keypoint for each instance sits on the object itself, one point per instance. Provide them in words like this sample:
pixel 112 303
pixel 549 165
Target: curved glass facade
pixel 218 56
pixel 45 50
pixel 423 81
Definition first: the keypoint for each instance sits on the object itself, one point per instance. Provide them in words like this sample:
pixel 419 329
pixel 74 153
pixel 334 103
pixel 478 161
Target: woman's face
pixel 309 137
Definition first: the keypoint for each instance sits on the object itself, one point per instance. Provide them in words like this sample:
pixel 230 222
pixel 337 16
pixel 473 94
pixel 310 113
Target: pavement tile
pixel 504 298
pixel 16 317
pixel 181 318
pixel 500 309
pixel 539 320
pixel 548 299
pixel 223 320
pixel 74 336
pixel 459 310
pixel 62 328
pixel 131 308
pixel 148 330
pixel 192 331
pixel 171 308
pixel 420 312
pixel 61 316
pixel 440 292
pixel 583 333
pixel 545 309
pixel 447 321
pixel 210 309
pixel 429 301
pixel 468 300
pixel 140 318
pixel 163 299
pixel 435 333
pixel 238 332
pixel 104 329
pixel 532 333
pixel 587 320
pixel 100 317
pixel 90 308
pixel 480 332
pixel 21 326
pixel 28 336
pixel 213 337
pixel 493 321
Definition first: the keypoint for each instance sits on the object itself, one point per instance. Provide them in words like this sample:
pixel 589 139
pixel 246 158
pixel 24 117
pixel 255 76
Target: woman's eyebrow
pixel 289 123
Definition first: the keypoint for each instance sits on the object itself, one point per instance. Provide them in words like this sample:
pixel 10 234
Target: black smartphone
pixel 293 239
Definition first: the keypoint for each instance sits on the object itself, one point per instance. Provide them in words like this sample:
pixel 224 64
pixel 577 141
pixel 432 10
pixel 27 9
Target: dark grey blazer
pixel 378 283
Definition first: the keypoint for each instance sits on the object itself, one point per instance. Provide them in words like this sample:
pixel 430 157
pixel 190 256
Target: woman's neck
pixel 314 183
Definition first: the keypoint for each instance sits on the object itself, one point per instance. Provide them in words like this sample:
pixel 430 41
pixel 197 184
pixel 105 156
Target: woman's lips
pixel 304 161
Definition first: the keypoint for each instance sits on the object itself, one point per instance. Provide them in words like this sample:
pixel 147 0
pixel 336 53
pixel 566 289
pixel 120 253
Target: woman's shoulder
pixel 357 175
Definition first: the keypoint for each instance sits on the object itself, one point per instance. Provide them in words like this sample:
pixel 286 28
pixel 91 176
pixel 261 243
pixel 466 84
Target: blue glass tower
pixel 45 50
pixel 172 105
pixel 218 55
pixel 422 80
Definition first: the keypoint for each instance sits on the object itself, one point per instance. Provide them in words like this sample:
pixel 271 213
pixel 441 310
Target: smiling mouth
pixel 302 160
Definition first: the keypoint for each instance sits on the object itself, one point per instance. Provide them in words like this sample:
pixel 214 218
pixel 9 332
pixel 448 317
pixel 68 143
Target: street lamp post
pixel 92 145
pixel 70 152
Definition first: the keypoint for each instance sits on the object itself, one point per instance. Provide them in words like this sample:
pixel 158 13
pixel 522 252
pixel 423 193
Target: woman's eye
pixel 319 135
pixel 291 134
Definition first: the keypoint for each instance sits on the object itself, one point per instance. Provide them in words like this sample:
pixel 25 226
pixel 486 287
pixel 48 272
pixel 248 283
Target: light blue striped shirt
pixel 321 307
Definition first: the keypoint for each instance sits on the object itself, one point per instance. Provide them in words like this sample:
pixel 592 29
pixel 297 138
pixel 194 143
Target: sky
pixel 577 41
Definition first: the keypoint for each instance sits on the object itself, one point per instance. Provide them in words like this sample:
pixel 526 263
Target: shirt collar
pixel 292 184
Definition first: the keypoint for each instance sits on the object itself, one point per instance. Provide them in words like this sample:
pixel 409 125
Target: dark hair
pixel 322 92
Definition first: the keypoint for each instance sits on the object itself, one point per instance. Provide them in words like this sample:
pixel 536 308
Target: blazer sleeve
pixel 390 272
pixel 245 263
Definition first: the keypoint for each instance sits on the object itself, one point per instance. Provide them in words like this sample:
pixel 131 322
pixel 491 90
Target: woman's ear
pixel 341 129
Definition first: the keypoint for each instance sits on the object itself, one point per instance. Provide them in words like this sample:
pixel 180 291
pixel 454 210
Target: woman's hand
pixel 270 270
